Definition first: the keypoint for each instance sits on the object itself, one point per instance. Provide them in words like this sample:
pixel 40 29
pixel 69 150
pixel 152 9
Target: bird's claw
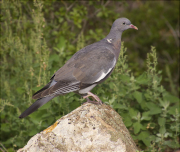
pixel 96 99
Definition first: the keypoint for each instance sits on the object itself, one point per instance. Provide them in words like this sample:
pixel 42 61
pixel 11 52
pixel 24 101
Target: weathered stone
pixel 87 128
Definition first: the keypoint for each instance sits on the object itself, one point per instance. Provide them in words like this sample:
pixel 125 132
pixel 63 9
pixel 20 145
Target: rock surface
pixel 88 128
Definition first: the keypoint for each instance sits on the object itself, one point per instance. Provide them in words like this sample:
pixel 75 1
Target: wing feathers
pixel 57 89
pixel 67 89
pixel 44 88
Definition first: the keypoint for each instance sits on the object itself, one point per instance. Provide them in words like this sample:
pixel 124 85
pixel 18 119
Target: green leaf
pixel 5 127
pixel 137 127
pixel 172 144
pixel 127 121
pixel 172 110
pixel 20 90
pixel 51 120
pixel 9 141
pixel 122 91
pixel 74 105
pixel 154 109
pixel 168 97
pixel 161 121
pixel 124 78
pixel 138 96
pixel 147 96
pixel 36 116
pixel 57 99
pixel 119 106
pixel 54 57
pixel 164 103
pixel 162 130
pixel 132 112
pixel 99 14
pixel 10 149
pixel 33 132
pixel 145 116
pixel 45 115
pixel 144 136
pixel 62 43
pixel 36 88
pixel 142 79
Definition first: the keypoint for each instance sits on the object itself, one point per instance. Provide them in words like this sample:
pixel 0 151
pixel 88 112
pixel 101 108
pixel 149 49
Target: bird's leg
pixel 95 97
pixel 90 101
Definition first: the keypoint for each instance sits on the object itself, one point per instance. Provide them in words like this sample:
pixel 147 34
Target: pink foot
pixel 96 99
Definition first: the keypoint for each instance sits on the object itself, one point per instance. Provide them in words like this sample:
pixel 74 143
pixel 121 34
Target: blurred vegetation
pixel 37 38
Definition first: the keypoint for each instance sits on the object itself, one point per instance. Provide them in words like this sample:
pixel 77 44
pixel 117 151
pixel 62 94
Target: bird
pixel 87 68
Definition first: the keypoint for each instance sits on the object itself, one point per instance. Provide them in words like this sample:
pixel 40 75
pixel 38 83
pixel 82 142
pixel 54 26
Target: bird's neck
pixel 114 37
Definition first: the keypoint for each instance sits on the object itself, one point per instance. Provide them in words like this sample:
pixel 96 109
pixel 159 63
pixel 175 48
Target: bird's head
pixel 122 24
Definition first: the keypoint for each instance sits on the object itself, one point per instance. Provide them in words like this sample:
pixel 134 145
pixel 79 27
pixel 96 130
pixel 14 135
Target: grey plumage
pixel 40 102
pixel 85 69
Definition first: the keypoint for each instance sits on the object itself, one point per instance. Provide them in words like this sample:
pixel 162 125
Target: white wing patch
pixel 109 40
pixel 103 74
pixel 86 90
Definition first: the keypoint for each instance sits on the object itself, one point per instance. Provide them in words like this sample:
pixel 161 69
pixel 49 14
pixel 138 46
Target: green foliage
pixel 144 104
pixel 37 38
pixel 24 61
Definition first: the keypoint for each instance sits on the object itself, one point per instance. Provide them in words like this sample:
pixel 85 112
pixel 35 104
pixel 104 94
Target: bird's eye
pixel 124 23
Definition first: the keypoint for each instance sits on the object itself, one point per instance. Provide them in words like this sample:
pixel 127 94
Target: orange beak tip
pixel 134 27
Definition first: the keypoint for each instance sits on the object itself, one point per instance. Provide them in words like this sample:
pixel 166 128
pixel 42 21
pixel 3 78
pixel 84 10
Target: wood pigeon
pixel 85 69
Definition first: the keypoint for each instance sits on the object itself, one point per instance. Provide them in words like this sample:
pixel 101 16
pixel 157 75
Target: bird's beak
pixel 134 27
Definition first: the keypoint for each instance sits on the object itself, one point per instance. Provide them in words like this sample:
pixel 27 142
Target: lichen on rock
pixel 88 128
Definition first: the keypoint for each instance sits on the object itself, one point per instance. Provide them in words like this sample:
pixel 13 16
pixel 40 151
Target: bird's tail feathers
pixel 38 103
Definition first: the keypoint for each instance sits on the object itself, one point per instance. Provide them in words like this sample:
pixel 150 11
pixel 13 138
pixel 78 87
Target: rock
pixel 88 128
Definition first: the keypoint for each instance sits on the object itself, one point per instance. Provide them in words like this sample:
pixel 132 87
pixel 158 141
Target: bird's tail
pixel 38 103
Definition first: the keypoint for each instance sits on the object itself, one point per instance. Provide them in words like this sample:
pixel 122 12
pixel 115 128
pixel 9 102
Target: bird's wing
pixel 87 66
pixel 57 88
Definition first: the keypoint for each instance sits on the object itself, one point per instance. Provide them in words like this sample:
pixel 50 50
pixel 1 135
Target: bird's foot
pixel 90 101
pixel 96 99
